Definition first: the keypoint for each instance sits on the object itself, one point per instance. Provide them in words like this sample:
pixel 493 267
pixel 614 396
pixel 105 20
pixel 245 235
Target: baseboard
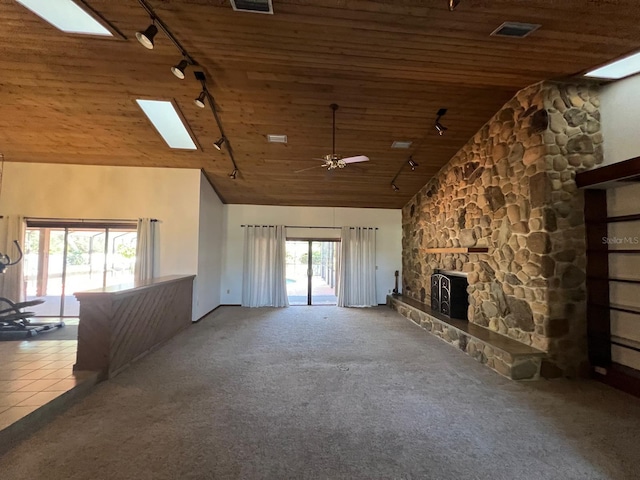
pixel 213 310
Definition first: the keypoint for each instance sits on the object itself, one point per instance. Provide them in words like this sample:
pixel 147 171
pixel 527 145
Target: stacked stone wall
pixel 512 189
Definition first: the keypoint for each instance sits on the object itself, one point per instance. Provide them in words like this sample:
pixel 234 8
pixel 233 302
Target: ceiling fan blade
pixel 309 168
pixel 359 158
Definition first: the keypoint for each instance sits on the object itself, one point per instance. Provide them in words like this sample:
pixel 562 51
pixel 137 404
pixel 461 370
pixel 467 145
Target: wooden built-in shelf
pixel 457 250
pixel 617 308
pixel 621 218
pixel 610 279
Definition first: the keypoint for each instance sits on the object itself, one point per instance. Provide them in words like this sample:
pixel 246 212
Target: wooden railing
pixel 122 323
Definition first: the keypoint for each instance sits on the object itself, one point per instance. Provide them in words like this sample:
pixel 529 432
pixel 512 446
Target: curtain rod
pixel 87 220
pixel 302 226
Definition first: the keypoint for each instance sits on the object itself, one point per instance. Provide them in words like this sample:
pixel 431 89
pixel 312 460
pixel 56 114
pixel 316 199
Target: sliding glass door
pixel 311 272
pixel 62 259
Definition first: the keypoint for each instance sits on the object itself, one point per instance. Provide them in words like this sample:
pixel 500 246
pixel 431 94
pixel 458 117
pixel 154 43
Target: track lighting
pixel 178 70
pixel 233 174
pixel 200 100
pixel 439 127
pixel 394 187
pixel 218 145
pixel 453 4
pixel 412 164
pixel 146 37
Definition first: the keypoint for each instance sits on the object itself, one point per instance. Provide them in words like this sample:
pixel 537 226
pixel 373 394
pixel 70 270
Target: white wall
pixel 388 239
pixel 620 116
pixel 96 192
pixel 207 288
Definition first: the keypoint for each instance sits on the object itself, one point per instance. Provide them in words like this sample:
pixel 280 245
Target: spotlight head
pixel 218 145
pixel 146 37
pixel 412 164
pixel 200 100
pixel 453 4
pixel 394 187
pixel 178 70
pixel 233 174
pixel 440 128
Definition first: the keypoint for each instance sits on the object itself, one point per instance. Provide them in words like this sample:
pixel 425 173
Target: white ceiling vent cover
pixel 515 30
pixel 253 6
pixel 277 138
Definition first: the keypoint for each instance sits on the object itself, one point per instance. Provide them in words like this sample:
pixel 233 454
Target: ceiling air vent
pixel 253 6
pixel 277 138
pixel 515 30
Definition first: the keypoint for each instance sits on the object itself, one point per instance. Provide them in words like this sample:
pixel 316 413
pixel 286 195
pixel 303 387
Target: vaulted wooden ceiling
pixel 390 65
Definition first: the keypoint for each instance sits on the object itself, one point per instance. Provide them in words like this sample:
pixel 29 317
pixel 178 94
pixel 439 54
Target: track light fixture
pixel 146 37
pixel 200 100
pixel 233 174
pixel 219 144
pixel 439 127
pixel 453 4
pixel 178 70
pixel 394 187
pixel 412 164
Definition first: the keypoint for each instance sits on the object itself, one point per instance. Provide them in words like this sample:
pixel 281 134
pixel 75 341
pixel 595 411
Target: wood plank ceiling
pixel 390 65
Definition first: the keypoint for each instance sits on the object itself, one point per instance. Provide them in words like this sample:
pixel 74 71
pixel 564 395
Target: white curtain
pixel 357 271
pixel 264 282
pixel 145 249
pixel 12 228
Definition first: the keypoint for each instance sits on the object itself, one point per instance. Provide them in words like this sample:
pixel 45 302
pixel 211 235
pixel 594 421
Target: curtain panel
pixel 357 272
pixel 12 227
pixel 264 282
pixel 145 249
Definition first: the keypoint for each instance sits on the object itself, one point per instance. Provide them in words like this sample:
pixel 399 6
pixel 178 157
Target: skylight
pixel 65 15
pixel 168 123
pixel 619 69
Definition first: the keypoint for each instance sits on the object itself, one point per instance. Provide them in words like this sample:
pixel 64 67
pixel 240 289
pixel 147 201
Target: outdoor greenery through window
pixel 62 259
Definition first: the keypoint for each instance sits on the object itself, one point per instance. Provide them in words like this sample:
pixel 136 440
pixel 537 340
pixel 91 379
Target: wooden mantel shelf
pixel 457 250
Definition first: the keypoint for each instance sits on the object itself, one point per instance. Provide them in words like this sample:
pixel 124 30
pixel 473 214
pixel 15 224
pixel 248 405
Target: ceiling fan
pixel 332 160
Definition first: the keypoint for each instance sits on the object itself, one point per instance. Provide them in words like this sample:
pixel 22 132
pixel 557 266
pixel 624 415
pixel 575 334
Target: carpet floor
pixel 329 393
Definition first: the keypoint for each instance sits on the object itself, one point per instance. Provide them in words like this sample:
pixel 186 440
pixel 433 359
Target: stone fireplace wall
pixel 511 188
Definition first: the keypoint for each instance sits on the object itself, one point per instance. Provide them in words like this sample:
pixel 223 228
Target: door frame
pixel 310 241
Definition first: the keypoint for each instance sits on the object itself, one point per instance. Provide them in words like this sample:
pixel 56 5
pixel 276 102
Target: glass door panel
pixel 44 269
pixel 323 265
pixel 297 272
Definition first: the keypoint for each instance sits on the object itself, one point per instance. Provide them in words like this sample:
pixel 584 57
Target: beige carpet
pixel 329 393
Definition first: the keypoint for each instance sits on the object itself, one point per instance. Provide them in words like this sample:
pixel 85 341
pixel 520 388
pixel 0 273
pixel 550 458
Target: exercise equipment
pixel 15 321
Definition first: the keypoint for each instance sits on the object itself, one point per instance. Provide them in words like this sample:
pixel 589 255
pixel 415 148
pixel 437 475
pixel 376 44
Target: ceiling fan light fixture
pixel 200 100
pixel 146 38
pixel 178 70
pixel 219 144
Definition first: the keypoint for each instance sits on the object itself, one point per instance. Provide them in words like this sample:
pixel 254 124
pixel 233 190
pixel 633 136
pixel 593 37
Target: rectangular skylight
pixel 65 15
pixel 619 69
pixel 168 123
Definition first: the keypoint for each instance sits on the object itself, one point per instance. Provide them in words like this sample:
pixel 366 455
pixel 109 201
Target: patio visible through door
pixel 311 272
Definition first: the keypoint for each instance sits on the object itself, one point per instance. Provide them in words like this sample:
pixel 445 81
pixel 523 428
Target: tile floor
pixel 33 372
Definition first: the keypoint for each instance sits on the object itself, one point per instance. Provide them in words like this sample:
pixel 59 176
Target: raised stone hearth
pixel 504 355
